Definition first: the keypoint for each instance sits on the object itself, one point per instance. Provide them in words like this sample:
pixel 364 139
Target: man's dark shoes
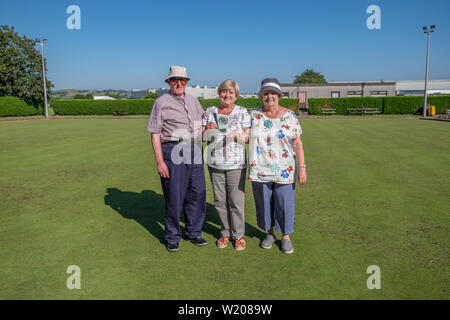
pixel 199 241
pixel 172 246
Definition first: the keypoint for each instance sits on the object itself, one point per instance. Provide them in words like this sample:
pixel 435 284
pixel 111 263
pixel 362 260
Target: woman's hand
pixel 211 125
pixel 239 137
pixel 302 175
pixel 233 135
pixel 297 145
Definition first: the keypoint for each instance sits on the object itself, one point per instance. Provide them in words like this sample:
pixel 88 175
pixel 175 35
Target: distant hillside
pixel 70 93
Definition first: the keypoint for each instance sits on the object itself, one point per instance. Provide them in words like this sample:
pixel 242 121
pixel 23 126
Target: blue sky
pixel 131 44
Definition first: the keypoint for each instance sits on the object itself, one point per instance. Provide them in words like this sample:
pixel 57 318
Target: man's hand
pixel 163 170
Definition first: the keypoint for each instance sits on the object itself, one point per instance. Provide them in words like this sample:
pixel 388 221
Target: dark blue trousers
pixel 184 190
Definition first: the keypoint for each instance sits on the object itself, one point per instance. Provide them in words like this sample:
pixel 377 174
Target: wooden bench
pixel 120 113
pixel 363 110
pixel 445 116
pixel 328 111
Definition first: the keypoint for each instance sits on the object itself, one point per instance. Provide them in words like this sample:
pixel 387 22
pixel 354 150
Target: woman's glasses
pixel 273 93
pixel 173 82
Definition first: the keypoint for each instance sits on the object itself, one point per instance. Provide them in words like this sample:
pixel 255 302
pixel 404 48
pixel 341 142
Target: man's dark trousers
pixel 184 190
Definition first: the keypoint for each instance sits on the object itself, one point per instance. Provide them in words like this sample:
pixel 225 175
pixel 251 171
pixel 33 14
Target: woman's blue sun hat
pixel 270 84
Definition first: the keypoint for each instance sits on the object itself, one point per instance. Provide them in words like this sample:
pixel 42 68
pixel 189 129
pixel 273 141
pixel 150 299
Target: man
pixel 175 125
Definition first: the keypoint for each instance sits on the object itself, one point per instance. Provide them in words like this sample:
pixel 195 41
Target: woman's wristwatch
pixel 302 165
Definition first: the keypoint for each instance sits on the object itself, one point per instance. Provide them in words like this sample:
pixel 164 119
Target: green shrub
pixel 102 107
pixel 14 107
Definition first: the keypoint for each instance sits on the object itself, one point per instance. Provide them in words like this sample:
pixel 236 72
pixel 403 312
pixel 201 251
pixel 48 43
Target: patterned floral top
pixel 271 156
pixel 223 153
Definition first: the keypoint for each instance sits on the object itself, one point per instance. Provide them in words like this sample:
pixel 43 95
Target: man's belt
pixel 191 140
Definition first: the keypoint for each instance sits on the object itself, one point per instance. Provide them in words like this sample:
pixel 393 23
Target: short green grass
pixel 87 193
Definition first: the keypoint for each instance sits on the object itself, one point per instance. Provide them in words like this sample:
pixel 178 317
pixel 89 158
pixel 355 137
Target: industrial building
pixel 417 87
pixel 362 89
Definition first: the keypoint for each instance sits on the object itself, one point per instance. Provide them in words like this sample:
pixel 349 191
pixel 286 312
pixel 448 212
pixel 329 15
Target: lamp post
pixel 425 30
pixel 42 43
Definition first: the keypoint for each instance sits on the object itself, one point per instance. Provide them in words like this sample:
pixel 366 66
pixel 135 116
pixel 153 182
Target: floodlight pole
pixel 426 68
pixel 42 43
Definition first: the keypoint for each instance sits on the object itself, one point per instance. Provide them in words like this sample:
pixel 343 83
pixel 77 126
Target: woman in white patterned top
pixel 226 127
pixel 277 161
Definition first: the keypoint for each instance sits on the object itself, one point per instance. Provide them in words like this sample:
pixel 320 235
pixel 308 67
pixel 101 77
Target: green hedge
pixel 246 103
pixel 411 105
pixel 142 106
pixel 386 105
pixel 290 104
pixel 14 107
pixel 101 107
pixel 206 103
pixel 402 105
pixel 251 103
pixel 341 105
pixel 442 103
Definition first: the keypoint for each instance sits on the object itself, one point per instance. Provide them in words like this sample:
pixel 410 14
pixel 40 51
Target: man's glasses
pixel 173 82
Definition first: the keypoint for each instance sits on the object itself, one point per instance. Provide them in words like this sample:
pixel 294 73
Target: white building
pixel 203 92
pixel 417 87
pixel 248 95
pixel 103 98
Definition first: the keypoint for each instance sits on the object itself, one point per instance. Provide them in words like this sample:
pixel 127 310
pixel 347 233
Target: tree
pixel 112 95
pixel 152 95
pixel 310 76
pixel 21 67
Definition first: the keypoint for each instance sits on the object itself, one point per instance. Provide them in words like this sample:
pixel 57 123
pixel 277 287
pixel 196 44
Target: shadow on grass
pixel 147 209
